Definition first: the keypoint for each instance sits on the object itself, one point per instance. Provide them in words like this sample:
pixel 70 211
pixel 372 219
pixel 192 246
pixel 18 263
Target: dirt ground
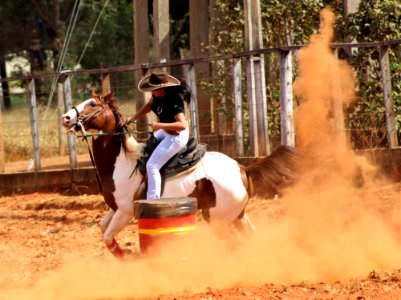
pixel 45 235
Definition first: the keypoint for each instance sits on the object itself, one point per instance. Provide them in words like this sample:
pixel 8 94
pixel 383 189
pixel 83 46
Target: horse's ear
pixel 110 94
pixel 109 97
pixel 93 93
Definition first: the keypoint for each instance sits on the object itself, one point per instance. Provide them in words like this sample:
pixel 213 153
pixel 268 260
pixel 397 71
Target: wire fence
pixel 223 106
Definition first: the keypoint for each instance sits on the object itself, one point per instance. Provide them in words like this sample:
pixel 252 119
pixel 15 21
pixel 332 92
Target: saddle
pixel 187 157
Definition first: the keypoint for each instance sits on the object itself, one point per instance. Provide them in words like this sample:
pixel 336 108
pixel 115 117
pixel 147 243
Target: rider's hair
pixel 184 90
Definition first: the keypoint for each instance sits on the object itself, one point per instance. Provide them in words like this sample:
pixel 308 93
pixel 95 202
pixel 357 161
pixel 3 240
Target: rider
pixel 171 130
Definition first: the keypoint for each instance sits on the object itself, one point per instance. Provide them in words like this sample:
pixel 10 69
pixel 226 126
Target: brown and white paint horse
pixel 221 186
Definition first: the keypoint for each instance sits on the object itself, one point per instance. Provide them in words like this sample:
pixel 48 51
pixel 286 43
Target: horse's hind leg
pixel 118 221
pixel 244 225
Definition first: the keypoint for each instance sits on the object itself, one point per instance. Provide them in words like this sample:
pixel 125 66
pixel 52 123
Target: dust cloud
pixel 327 228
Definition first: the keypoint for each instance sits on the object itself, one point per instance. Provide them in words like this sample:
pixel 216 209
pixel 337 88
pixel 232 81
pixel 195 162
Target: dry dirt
pixel 48 241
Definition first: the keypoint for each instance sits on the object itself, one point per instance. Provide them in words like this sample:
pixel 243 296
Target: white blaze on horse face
pixel 70 118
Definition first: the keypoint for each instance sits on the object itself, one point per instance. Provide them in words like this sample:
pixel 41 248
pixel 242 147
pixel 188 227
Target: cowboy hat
pixel 156 81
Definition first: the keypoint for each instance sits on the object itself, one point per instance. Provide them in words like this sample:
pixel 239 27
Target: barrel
pixel 164 219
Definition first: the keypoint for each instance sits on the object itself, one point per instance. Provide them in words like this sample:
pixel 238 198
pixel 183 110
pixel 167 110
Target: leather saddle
pixel 187 157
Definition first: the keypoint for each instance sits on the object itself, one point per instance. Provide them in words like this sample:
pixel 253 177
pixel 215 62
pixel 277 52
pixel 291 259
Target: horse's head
pixel 96 113
pixel 100 113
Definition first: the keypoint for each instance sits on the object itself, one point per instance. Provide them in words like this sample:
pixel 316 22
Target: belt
pixel 172 132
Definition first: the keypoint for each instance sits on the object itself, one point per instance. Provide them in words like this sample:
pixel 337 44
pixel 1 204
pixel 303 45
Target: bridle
pixel 79 125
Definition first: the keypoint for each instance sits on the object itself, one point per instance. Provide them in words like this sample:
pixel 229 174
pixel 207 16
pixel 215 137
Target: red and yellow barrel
pixel 164 219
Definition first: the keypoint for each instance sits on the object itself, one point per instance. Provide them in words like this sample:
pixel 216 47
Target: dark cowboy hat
pixel 156 81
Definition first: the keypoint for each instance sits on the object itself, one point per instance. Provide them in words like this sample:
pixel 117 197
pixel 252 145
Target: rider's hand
pixel 156 126
pixel 129 121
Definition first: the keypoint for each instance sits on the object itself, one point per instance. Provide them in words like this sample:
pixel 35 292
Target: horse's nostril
pixel 65 119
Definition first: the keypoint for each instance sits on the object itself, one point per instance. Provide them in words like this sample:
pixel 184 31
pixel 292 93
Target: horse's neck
pixel 105 151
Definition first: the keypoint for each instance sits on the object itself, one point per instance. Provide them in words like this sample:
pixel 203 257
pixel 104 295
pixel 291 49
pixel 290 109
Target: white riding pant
pixel 169 146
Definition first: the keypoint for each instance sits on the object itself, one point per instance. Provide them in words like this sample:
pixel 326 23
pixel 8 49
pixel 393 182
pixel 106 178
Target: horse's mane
pixel 273 173
pixel 112 103
pixel 132 148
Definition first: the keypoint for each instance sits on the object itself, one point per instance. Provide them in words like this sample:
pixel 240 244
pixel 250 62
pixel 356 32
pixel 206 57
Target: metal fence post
pixel 239 123
pixel 286 99
pixel 250 88
pixel 33 113
pixel 261 105
pixel 194 102
pixel 60 111
pixel 72 139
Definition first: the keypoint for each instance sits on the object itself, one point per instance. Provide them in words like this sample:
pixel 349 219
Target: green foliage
pixel 377 20
pixel 284 23
pixel 15 22
pixel 227 28
pixel 289 22
pixel 292 22
pixel 179 36
pixel 110 45
pixel 112 41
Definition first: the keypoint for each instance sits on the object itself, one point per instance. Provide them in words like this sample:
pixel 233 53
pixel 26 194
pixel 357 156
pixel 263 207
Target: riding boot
pixel 115 249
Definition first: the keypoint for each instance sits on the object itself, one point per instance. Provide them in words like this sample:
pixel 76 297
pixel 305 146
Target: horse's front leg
pixel 106 220
pixel 118 221
pixel 244 225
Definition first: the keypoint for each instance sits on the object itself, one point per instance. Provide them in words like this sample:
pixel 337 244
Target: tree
pixel 14 23
pixel 38 29
pixel 377 20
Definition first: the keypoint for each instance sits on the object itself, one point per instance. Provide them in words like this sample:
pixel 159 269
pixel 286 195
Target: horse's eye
pixel 92 103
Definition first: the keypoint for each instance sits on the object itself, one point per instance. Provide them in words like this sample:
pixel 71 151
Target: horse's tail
pixel 268 176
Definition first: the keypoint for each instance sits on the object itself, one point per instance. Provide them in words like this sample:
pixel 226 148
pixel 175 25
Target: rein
pixel 114 133
pixel 79 126
pixel 99 184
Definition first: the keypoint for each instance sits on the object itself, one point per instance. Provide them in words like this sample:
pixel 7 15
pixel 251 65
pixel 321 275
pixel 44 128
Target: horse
pixel 220 184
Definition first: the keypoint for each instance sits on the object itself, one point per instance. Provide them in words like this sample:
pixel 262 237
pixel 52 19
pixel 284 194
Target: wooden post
pixel 161 30
pixel 258 125
pixel 2 156
pixel 105 83
pixel 237 90
pixel 33 113
pixel 286 99
pixel 194 102
pixel 351 6
pixel 141 41
pixel 72 139
pixel 60 111
pixel 198 36
pixel 388 97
